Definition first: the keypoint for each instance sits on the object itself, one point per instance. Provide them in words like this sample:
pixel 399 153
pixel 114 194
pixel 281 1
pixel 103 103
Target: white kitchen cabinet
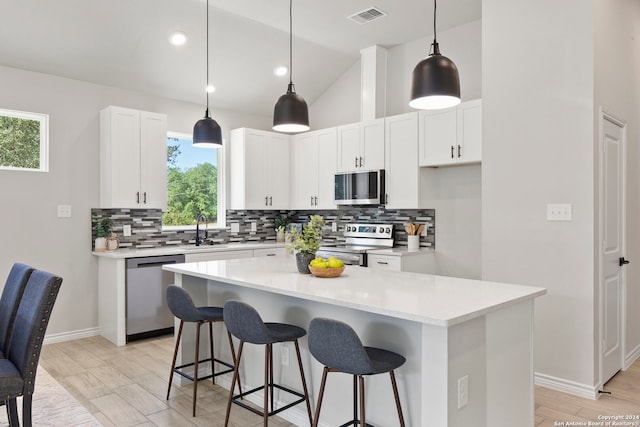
pixel 270 252
pixel 215 256
pixel 451 136
pixel 314 167
pixel 259 170
pixel 402 172
pixel 133 159
pixel 361 146
pixel 400 259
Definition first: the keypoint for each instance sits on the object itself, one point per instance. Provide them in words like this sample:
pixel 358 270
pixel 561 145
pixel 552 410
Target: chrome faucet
pixel 201 217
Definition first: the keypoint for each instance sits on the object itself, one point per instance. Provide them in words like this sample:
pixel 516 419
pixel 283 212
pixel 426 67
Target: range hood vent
pixel 367 15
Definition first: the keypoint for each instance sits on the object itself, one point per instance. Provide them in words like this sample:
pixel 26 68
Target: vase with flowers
pixel 305 242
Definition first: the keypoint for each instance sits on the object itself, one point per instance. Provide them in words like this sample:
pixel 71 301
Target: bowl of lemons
pixel 331 267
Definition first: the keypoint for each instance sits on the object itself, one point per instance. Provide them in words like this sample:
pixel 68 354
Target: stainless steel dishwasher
pixel 147 311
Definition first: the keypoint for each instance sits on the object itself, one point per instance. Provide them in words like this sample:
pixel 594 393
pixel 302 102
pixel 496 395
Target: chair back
pixel 336 345
pixel 31 323
pixel 181 304
pixel 11 295
pixel 244 323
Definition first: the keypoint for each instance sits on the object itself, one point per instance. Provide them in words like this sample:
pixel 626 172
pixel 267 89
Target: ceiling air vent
pixel 367 15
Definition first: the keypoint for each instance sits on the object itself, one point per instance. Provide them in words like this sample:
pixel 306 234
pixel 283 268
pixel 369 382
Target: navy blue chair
pixel 183 307
pixel 18 370
pixel 11 295
pixel 337 346
pixel 244 323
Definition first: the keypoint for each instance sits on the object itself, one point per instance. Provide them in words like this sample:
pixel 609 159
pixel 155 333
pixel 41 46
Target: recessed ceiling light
pixel 178 38
pixel 211 89
pixel 280 71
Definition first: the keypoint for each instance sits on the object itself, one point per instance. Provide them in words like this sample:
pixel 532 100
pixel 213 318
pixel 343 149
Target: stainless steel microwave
pixel 360 188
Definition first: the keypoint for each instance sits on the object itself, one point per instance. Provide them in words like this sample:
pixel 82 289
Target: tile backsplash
pixel 147 232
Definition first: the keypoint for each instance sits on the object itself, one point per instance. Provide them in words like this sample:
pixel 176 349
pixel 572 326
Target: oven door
pixel 348 258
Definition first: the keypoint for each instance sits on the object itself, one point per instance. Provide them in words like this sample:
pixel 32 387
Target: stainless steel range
pixel 360 238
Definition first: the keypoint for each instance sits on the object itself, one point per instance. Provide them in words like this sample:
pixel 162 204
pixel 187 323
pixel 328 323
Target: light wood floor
pixel 126 386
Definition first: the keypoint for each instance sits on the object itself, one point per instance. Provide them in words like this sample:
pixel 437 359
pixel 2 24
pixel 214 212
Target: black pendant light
pixel 291 113
pixel 207 132
pixel 436 83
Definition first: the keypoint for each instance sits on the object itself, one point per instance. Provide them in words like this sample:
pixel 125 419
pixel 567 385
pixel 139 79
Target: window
pixel 194 183
pixel 24 141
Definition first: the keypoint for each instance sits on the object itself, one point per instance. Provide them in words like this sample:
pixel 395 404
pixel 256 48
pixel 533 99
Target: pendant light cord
pixel 207 88
pixel 290 41
pixel 434 20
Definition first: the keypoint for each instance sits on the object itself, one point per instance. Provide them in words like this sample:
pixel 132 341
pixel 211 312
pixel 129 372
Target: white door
pixel 612 229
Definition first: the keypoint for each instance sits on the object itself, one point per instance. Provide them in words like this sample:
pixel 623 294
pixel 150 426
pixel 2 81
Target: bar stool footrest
pixel 238 402
pixel 183 374
pixel 355 423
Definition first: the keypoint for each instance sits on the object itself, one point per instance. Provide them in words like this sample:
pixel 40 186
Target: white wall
pixel 340 104
pixel 617 91
pixel 538 139
pixel 31 231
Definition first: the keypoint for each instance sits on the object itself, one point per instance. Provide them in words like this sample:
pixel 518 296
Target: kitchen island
pixel 468 343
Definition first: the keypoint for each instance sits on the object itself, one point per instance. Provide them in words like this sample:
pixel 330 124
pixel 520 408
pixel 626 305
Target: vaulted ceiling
pixel 124 43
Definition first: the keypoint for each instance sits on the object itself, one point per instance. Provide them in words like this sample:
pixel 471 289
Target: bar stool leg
pixel 271 376
pixel 233 356
pixel 304 383
pixel 236 371
pixel 265 407
pixel 213 371
pixel 175 355
pixel 319 405
pixel 195 367
pixel 395 395
pixel 355 399
pixel 363 421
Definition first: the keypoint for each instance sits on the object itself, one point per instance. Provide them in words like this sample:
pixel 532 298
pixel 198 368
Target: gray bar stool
pixel 336 345
pixel 244 323
pixel 182 307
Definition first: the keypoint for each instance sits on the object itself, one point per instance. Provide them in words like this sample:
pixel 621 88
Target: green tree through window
pixel 192 183
pixel 23 140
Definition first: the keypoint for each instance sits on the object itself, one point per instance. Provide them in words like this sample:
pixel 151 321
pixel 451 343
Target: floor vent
pixel 367 15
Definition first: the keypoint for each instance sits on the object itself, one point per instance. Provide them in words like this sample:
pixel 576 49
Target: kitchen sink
pixel 203 247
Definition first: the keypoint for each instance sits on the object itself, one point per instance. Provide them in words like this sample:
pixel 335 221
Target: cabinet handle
pixel 137 197
pixel 270 201
pixel 144 197
pixel 356 162
pixel 271 254
pixel 311 200
pixel 458 151
pixel 386 198
pixel 383 262
pixel 315 200
pixel 266 200
pixel 360 161
pixel 452 151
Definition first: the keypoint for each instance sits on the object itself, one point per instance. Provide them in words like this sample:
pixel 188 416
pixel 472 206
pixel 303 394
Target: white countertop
pixel 401 251
pixel 436 300
pixel 186 249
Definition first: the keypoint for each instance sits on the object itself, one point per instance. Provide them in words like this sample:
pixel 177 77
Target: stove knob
pixel 381 230
pixel 388 230
pixel 348 228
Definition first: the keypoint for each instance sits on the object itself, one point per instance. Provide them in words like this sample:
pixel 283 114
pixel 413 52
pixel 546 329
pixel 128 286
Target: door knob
pixel 622 261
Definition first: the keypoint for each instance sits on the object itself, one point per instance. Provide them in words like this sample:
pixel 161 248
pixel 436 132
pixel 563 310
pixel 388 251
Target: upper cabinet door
pixel 402 173
pixel 305 170
pixel 277 157
pixel 348 147
pixel 372 145
pixel 153 155
pixel 327 162
pixel 470 131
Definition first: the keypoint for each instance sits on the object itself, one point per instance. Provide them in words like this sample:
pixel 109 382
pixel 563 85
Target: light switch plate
pixel 559 212
pixel 254 226
pixel 126 230
pixel 235 227
pixel 64 211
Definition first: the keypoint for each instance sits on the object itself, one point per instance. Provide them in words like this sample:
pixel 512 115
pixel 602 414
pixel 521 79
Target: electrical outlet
pixel 424 230
pixel 463 391
pixel 254 226
pixel 235 227
pixel 64 211
pixel 334 226
pixel 126 230
pixel 284 355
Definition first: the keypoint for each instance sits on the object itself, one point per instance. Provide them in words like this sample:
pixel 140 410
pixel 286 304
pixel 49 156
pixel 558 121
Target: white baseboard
pixel 566 386
pixel 70 336
pixel 631 357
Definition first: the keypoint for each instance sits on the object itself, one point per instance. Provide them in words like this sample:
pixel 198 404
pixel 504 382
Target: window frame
pixel 43 119
pixel 222 214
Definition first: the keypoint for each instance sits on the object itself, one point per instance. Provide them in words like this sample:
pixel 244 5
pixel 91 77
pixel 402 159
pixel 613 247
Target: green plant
pixel 103 227
pixel 281 221
pixel 306 241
